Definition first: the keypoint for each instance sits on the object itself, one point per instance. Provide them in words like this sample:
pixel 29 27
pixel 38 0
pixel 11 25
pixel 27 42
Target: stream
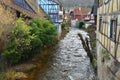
pixel 67 61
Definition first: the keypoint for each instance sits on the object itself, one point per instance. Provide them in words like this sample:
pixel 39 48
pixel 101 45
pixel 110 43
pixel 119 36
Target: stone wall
pixel 7 18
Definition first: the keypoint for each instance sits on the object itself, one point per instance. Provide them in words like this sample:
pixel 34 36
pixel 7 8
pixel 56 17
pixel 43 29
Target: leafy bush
pixel 19 43
pixel 81 24
pixel 26 40
pixel 36 31
pixel 106 56
pixel 45 30
pixel 63 25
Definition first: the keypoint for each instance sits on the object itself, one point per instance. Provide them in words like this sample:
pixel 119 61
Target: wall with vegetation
pixel 26 39
pixel 7 17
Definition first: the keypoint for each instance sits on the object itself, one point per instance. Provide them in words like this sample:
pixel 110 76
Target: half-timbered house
pixel 108 40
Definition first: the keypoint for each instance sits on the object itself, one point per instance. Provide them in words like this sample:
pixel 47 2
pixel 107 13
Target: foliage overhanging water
pixel 67 61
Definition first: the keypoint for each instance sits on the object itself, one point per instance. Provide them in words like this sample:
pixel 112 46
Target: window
pixel 60 17
pixel 60 8
pixel 106 1
pixel 100 25
pixel 109 24
pixel 51 8
pixel 113 27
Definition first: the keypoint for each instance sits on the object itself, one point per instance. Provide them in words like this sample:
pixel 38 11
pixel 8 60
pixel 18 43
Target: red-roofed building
pixel 82 13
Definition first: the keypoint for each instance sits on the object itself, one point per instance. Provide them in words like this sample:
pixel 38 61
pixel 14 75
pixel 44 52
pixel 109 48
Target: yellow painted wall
pixel 107 9
pixel 119 5
pixel 110 7
pixel 118 55
pixel 114 5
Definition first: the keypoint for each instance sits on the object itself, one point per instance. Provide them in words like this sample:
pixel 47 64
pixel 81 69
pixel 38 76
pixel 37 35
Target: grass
pixel 1 67
pixel 2 76
pixel 10 75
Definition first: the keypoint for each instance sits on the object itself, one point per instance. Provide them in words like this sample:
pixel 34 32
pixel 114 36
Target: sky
pixel 74 3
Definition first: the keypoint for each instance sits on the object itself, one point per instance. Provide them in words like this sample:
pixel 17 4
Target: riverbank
pixel 92 41
pixel 68 60
pixel 26 69
pixel 90 45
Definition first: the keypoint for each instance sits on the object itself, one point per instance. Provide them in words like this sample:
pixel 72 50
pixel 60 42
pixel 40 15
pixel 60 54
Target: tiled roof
pixel 33 4
pixel 58 1
pixel 81 11
pixel 28 13
pixel 95 6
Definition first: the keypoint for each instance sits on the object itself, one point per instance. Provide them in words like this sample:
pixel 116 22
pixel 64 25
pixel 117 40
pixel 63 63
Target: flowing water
pixel 67 61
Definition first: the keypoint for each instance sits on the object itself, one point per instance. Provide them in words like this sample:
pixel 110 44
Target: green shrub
pixel 19 43
pixel 45 30
pixel 103 51
pixel 36 31
pixel 81 24
pixel 106 56
pixel 24 41
pixel 63 25
pixel 65 28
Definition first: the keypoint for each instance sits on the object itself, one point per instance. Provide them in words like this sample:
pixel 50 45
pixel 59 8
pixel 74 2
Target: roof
pixel 81 11
pixel 28 13
pixel 57 1
pixel 95 6
pixel 77 11
pixel 33 4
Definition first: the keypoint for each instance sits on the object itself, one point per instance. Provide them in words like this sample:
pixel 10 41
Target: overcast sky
pixel 73 3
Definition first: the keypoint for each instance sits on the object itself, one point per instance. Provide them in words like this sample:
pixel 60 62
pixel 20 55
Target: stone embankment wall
pixel 7 18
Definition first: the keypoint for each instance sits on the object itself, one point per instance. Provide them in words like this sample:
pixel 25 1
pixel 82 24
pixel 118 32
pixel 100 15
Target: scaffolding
pixel 51 7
